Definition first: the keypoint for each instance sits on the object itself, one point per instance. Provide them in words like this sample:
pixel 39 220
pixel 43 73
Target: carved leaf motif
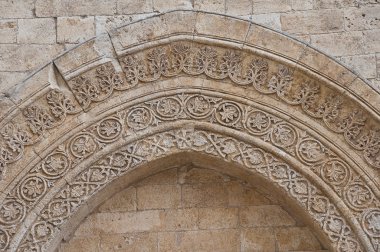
pixel 319 205
pixel 38 119
pixel 308 95
pixel 300 188
pixel 60 105
pixel 258 72
pixel 199 140
pixel 374 223
pixel 281 82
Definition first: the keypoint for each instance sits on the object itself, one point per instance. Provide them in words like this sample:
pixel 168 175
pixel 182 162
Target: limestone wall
pixel 191 209
pixel 34 31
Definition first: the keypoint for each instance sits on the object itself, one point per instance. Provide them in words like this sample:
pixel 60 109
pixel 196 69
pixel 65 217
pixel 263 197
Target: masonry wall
pixel 34 31
pixel 191 209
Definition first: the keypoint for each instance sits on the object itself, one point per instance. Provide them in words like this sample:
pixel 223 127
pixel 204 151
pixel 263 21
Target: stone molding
pixel 106 72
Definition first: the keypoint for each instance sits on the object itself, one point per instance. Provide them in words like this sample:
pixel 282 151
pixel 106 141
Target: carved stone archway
pixel 201 85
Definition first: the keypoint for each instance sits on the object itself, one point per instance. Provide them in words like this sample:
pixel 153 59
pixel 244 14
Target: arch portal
pixel 190 86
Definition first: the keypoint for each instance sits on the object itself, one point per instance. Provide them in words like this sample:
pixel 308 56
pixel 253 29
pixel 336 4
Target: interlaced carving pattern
pixel 217 63
pixel 209 109
pixel 118 163
pixel 174 59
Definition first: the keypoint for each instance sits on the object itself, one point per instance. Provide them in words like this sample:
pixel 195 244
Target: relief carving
pixel 195 107
pixel 99 174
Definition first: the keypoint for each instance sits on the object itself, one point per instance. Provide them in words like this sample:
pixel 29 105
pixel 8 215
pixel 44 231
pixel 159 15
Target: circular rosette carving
pixel 4 239
pixel 139 118
pixel 42 231
pixel 55 165
pixel 168 107
pixel 358 196
pixel 310 151
pixel 228 113
pixel 371 222
pixel 335 172
pixel 283 135
pixel 32 188
pixel 257 122
pixel 83 145
pixel 109 129
pixel 11 212
pixel 198 106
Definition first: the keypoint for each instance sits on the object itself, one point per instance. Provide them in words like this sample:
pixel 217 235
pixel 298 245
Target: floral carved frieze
pixel 320 102
pixel 265 76
pixel 192 107
pixel 98 175
pixel 38 120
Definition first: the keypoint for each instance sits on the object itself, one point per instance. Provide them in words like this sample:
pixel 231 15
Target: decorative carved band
pixel 315 156
pixel 98 175
pixel 318 101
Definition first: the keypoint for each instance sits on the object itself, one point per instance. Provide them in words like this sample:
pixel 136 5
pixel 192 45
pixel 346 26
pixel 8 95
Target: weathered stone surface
pixel 363 64
pixel 214 240
pixel 258 239
pixel 16 8
pixel 134 7
pixel 142 241
pixel 228 28
pixel 362 19
pixel 153 28
pixel 372 41
pixel 378 64
pixel 75 29
pixel 269 19
pixel 262 37
pixel 240 195
pixel 264 216
pixel 118 223
pixel 338 44
pixel 239 8
pixel 80 244
pixel 165 5
pixel 168 177
pixel 375 83
pixel 156 196
pixel 302 4
pixel 260 6
pixel 10 79
pixel 26 57
pixel 302 239
pixel 204 195
pixel 107 23
pixel 218 218
pixel 333 4
pixel 213 6
pixel 54 8
pixel 38 30
pixel 311 22
pixel 123 201
pixel 84 57
pixel 178 219
pixel 200 176
pixel 190 229
pixel 8 31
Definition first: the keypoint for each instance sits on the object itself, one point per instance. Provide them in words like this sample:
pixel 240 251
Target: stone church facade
pixel 189 125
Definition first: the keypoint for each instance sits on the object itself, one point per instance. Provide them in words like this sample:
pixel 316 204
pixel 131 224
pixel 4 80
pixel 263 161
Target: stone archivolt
pixel 202 108
pixel 315 176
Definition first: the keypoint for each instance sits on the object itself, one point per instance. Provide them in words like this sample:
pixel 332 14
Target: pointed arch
pixel 248 94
